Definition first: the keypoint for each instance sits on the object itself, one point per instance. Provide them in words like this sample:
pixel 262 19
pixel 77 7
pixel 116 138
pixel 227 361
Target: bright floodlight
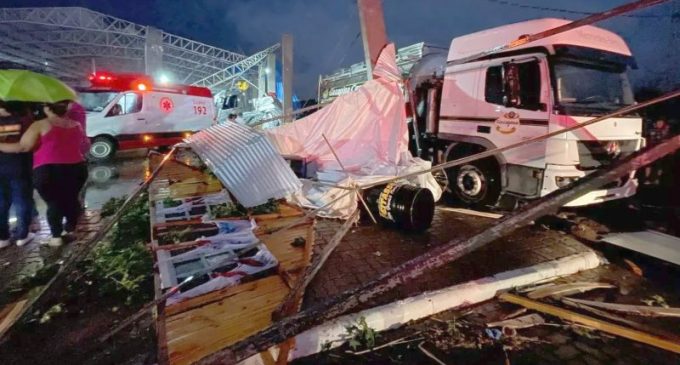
pixel 164 79
pixel 266 70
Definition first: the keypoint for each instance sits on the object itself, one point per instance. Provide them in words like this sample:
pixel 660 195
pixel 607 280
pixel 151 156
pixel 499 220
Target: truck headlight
pixel 562 181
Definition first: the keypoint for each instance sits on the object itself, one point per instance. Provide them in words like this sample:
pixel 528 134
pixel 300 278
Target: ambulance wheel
pixel 476 184
pixel 102 149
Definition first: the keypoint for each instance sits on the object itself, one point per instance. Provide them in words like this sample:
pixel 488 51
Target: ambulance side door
pixel 129 114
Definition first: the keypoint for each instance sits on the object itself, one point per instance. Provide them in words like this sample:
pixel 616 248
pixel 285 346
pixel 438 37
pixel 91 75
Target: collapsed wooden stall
pixel 194 328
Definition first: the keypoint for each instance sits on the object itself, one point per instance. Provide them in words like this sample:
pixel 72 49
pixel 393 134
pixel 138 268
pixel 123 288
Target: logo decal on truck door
pixel 507 123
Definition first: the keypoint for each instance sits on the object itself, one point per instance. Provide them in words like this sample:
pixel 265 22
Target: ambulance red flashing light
pixel 120 82
pixel 141 82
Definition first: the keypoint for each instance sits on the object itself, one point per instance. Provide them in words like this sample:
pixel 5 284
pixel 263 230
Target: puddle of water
pixel 107 180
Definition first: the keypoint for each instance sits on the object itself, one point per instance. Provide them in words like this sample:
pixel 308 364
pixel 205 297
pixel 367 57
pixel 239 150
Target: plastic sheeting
pixel 364 126
pixel 367 129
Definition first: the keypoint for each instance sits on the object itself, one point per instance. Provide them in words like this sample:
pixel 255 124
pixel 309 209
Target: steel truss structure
pixel 69 42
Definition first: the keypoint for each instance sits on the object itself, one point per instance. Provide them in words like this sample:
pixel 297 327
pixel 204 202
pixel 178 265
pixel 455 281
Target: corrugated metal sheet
pixel 245 162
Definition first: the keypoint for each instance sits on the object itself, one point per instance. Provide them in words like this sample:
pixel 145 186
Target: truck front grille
pixel 597 154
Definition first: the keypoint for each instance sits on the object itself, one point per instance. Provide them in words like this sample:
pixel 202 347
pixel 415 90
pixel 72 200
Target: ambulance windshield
pixel 96 101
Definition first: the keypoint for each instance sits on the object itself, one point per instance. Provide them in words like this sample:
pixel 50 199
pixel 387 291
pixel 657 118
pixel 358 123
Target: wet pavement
pixel 106 180
pixel 114 179
pixel 368 251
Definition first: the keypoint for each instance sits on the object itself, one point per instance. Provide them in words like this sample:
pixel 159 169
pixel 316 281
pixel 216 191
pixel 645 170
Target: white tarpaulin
pixel 368 131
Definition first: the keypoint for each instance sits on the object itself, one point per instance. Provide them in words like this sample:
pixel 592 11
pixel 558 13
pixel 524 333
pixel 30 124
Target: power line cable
pixel 577 12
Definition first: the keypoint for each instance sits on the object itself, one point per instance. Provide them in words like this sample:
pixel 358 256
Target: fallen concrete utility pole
pixel 598 324
pixel 437 257
pixel 626 8
pixel 52 288
pixel 460 296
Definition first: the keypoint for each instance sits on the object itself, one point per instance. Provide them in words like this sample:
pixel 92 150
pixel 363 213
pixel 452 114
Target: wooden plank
pixel 284 350
pixel 595 323
pixel 638 326
pixel 267 358
pixel 268 285
pixel 471 212
pixel 12 313
pixel 285 211
pixel 217 295
pixel 219 321
pixel 281 246
pixel 198 332
pixel 640 310
pixel 566 289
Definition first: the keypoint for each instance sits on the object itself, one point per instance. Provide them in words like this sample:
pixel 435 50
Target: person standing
pixel 59 168
pixel 76 113
pixel 15 180
pixel 658 132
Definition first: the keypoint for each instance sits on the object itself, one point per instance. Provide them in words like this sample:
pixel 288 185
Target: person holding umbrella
pixel 15 179
pixel 59 168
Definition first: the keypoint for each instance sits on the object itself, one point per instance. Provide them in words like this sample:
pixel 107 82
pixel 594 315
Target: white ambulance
pixel 127 111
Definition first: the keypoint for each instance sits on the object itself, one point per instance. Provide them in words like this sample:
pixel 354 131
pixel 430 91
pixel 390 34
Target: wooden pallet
pixel 197 327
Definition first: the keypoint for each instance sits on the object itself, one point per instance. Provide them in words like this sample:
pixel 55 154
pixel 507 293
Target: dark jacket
pixel 14 164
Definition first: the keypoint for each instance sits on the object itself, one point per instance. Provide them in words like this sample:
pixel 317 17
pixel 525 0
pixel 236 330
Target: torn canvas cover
pixel 367 129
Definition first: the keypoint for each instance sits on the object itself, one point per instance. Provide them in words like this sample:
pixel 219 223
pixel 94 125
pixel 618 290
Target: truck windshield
pixel 591 89
pixel 96 101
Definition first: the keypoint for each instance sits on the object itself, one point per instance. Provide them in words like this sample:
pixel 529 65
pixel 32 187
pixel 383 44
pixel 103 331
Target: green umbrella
pixel 22 85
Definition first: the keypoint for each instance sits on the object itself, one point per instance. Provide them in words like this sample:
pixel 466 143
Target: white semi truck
pixel 464 108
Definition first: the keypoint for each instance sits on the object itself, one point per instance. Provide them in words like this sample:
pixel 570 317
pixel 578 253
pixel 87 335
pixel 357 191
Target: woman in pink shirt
pixel 59 168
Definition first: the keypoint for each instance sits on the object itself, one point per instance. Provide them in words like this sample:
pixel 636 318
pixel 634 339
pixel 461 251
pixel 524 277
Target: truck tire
pixel 476 184
pixel 102 148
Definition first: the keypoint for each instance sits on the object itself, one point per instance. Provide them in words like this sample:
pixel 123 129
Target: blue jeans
pixel 16 191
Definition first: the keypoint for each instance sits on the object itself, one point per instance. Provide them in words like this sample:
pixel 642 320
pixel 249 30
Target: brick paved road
pixel 356 260
pixel 17 263
pixel 368 250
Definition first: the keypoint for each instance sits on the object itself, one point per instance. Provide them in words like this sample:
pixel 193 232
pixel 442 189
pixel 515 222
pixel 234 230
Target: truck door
pixel 516 100
pixel 127 112
pixel 516 96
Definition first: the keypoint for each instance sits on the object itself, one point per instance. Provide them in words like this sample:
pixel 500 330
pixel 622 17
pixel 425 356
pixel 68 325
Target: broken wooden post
pixel 636 325
pixel 595 323
pixel 310 272
pixel 436 257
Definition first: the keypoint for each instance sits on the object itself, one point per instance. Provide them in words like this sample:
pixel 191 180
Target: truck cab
pixel 129 111
pixel 532 90
pixel 251 110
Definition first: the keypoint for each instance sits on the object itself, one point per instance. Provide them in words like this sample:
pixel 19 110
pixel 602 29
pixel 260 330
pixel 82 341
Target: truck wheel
pixel 475 184
pixel 102 149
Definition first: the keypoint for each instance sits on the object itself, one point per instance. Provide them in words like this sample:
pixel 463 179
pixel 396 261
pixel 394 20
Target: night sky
pixel 325 31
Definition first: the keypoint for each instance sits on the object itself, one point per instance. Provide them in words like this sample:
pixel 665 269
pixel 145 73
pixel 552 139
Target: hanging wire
pixel 577 12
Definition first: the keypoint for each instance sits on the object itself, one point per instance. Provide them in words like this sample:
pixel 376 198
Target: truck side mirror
pixel 511 89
